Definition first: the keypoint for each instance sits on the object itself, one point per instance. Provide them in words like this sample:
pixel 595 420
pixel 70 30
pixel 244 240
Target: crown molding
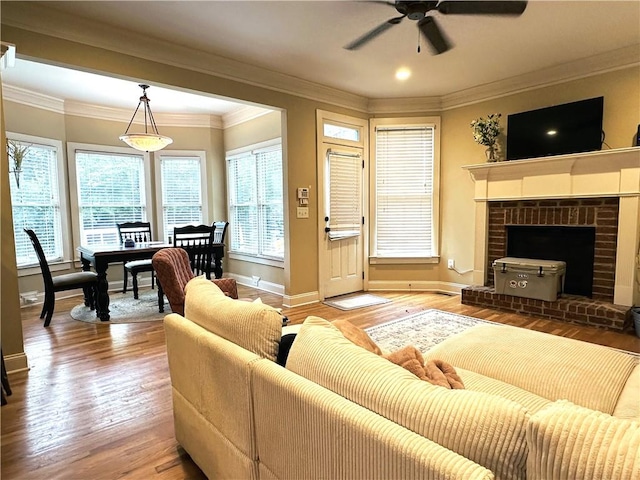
pixel 57 105
pixel 41 19
pixel 242 115
pixel 32 99
pixel 619 59
pixel 405 105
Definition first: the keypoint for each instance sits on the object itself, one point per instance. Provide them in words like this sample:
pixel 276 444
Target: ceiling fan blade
pixel 506 7
pixel 434 36
pixel 370 35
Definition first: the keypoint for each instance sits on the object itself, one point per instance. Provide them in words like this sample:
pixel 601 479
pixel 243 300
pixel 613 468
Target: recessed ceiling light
pixel 551 132
pixel 403 73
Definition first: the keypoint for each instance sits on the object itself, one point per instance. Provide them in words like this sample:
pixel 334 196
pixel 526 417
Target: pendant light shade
pixel 149 141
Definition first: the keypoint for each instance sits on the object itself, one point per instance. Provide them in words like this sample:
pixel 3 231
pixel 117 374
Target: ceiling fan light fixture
pixel 147 141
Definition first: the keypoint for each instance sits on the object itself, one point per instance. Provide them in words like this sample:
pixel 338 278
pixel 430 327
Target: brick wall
pixel 601 213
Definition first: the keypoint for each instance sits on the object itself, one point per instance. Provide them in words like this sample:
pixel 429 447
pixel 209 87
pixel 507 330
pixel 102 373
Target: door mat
pixel 423 330
pixel 123 308
pixel 355 300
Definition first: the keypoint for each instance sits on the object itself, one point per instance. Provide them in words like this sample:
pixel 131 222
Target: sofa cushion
pixel 628 405
pixel 550 366
pixel 487 429
pixel 256 327
pixel 320 434
pixel 481 383
pixel 567 441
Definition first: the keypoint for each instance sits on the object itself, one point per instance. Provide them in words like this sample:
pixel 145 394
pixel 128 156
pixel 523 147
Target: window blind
pixel 111 190
pixel 36 204
pixel 345 195
pixel 404 192
pixel 181 192
pixel 255 202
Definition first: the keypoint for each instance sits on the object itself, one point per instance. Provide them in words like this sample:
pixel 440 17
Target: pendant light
pixel 147 141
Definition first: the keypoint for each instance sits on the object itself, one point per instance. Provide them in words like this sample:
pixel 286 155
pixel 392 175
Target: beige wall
pixel 621 91
pixel 10 320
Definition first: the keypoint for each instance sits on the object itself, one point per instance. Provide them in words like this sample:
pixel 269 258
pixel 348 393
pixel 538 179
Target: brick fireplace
pixel 597 190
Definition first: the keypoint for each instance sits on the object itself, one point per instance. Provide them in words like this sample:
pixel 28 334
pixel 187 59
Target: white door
pixel 342 270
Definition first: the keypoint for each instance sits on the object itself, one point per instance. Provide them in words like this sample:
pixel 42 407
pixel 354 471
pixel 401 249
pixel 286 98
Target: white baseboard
pixel 260 284
pixel 420 286
pixel 16 362
pixel 300 299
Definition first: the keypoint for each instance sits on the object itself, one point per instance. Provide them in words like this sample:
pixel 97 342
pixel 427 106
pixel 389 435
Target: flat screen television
pixel 561 129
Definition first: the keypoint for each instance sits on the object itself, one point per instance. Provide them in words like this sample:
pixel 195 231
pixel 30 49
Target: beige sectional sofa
pixel 535 406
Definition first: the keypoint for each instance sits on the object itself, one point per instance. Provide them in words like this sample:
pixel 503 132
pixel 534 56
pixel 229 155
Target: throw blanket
pixel 437 372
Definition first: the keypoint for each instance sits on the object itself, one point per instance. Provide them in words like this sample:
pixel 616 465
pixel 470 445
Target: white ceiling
pixel 304 40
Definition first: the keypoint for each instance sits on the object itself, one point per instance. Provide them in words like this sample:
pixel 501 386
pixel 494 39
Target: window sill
pixel 261 260
pixel 402 260
pixel 30 270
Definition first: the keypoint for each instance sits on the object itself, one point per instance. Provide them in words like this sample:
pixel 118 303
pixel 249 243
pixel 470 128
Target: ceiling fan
pixel 428 26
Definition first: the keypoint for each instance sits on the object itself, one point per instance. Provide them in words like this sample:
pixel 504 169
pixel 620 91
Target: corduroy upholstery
pixel 567 441
pixel 306 431
pixel 173 271
pixel 487 429
pixel 256 327
pixel 552 367
pixel 240 415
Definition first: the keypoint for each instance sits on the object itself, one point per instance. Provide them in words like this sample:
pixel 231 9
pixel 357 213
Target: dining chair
pixel 173 270
pixel 197 240
pixel 220 232
pixel 88 281
pixel 139 232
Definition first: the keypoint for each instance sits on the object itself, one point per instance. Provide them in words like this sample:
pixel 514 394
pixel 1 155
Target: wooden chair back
pixel 139 232
pixel 197 240
pixel 220 232
pixel 42 259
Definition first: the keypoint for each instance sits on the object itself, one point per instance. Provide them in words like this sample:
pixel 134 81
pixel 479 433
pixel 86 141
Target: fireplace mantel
pixel 609 173
pixel 593 174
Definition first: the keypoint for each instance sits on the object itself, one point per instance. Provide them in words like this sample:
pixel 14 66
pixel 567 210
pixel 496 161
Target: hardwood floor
pixel 96 403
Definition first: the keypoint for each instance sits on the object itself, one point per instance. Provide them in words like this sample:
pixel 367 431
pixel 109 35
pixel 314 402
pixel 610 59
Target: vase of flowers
pixel 16 153
pixel 485 132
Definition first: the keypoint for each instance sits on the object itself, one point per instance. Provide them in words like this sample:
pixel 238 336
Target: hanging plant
pixel 16 152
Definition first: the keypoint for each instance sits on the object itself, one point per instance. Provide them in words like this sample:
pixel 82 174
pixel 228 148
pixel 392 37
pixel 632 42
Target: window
pixel 341 132
pixel 182 189
pixel 111 190
pixel 255 201
pixel 406 157
pixel 35 198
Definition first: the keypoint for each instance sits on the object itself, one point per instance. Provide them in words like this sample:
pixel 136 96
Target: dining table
pixel 100 256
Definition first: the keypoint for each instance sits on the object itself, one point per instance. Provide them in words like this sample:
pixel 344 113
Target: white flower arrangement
pixel 486 130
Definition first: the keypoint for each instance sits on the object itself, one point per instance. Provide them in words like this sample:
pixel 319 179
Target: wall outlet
pixel 302 212
pixel 451 264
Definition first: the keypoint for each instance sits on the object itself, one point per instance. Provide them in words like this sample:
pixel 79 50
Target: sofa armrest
pixel 568 441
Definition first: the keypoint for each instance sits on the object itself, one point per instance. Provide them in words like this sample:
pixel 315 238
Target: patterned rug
pixel 423 330
pixel 123 308
pixel 355 300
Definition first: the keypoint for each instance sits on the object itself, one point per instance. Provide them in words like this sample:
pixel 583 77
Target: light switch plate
pixel 302 212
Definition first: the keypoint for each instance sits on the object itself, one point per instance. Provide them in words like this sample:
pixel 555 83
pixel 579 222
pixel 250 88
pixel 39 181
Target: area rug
pixel 423 330
pixel 355 300
pixel 123 308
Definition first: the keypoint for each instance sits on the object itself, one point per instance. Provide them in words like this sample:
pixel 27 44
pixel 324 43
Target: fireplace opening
pixel 573 245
